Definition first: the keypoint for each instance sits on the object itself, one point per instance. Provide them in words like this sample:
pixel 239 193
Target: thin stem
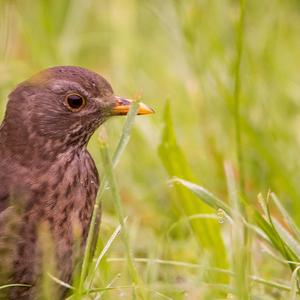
pixel 237 96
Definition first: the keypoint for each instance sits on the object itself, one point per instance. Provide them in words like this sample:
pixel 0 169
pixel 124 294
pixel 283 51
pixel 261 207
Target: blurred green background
pixel 183 57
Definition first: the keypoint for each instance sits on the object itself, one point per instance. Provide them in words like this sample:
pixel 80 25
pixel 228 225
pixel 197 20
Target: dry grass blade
pixel 294 284
pixel 12 285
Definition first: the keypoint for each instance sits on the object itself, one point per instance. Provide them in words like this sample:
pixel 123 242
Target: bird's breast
pixel 70 193
pixel 57 208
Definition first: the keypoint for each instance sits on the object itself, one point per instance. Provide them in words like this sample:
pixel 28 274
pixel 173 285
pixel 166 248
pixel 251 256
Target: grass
pixel 204 201
pixel 109 181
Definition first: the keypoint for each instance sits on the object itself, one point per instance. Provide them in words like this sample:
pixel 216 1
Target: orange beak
pixel 123 105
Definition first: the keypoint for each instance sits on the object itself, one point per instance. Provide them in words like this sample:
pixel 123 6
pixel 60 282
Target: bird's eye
pixel 75 102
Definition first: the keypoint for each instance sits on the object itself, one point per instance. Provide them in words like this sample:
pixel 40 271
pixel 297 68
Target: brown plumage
pixel 48 180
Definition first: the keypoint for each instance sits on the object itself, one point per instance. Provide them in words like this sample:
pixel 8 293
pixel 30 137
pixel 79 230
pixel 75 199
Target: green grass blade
pixel 103 252
pixel 287 238
pixel 119 150
pixel 237 95
pixel 210 199
pixel 275 238
pixel 207 232
pixel 240 241
pixel 112 183
pixel 125 132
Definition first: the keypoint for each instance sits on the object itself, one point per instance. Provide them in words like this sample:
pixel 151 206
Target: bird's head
pixel 63 104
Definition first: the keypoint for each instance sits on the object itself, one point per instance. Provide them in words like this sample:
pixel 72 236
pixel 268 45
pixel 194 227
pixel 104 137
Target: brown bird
pixel 48 180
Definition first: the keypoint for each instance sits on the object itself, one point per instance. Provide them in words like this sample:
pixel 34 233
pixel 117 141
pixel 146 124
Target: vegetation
pixel 204 201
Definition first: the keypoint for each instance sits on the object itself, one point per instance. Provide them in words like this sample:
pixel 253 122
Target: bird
pixel 48 179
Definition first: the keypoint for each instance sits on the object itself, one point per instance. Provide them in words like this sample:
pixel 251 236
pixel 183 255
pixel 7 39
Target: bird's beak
pixel 123 105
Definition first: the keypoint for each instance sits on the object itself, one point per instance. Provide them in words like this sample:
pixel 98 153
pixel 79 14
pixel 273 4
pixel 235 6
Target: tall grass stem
pixel 124 139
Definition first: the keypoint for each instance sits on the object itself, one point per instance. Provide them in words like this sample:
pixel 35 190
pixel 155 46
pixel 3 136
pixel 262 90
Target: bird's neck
pixel 27 148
